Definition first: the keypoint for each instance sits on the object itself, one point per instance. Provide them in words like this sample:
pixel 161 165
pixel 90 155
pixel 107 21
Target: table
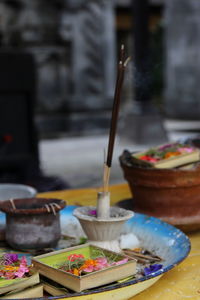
pixel 182 282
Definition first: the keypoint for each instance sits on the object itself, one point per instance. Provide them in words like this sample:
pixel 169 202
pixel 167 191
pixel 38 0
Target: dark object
pixel 46 183
pixel 142 123
pixel 18 141
pixel 19 158
pixel 142 71
pixel 170 194
pixel 32 223
pixel 133 161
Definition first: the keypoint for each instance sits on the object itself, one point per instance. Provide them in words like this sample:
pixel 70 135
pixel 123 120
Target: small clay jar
pixel 32 223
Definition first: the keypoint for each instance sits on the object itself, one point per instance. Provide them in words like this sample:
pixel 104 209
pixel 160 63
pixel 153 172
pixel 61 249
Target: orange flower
pixel 171 154
pixel 88 265
pixel 90 262
pixel 76 271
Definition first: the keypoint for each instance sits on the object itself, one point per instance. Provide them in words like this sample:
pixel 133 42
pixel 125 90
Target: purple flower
pixel 164 147
pixel 152 268
pixel 10 258
pixel 93 212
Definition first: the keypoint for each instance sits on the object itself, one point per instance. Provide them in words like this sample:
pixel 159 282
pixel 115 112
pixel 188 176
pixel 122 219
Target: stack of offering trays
pixel 52 265
pixel 167 156
pixel 21 287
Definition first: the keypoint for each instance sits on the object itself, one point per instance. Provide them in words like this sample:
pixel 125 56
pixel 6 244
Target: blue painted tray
pixel 168 242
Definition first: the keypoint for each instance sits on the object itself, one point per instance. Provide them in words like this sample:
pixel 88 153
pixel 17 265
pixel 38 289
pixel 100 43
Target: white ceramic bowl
pixel 14 191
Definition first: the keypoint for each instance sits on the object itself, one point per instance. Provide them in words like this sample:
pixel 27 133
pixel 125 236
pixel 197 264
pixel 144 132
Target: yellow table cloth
pixel 182 282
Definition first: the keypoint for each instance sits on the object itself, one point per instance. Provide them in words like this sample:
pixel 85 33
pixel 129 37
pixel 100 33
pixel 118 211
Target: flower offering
pixel 85 266
pixel 169 155
pixel 11 266
pixel 78 265
pixel 166 151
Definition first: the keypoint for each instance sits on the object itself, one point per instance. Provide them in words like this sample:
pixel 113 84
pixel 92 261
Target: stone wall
pixel 182 41
pixel 73 42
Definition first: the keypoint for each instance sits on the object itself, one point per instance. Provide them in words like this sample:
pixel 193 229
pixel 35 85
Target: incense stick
pixel 115 112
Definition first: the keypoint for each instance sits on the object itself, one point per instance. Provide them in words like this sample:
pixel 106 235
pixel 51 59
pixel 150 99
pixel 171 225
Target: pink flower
pixel 21 271
pixel 23 261
pixel 101 263
pixel 88 269
pixel 185 149
pixel 120 262
pixel 22 268
pixel 93 212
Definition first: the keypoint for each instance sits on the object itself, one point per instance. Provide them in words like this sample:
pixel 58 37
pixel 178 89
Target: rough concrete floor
pixel 79 160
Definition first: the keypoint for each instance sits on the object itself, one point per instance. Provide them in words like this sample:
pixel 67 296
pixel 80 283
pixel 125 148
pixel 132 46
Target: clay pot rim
pixel 7 207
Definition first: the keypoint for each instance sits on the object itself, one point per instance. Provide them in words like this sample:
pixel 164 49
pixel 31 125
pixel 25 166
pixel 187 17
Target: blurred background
pixel 58 62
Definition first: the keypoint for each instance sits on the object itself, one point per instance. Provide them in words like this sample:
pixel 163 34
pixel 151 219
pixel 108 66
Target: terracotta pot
pixel 32 223
pixel 171 194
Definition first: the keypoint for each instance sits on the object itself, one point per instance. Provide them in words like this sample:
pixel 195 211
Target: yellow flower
pixel 10 268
